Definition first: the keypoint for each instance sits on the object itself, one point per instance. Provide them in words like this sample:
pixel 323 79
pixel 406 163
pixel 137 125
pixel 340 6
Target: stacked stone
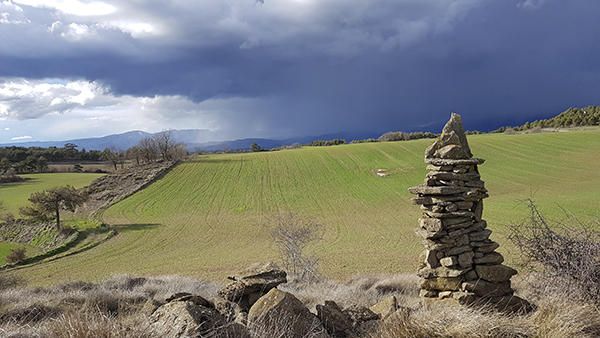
pixel 460 260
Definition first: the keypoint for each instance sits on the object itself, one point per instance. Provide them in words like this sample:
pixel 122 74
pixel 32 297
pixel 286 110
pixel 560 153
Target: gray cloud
pixel 290 67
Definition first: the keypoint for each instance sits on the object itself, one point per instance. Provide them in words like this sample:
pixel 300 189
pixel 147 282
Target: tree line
pixel 22 160
pixel 572 117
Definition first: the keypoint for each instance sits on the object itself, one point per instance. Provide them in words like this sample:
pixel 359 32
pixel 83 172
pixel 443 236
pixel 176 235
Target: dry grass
pixel 113 307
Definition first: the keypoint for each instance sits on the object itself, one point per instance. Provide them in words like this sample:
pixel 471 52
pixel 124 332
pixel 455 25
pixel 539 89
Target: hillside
pixel 210 216
pixel 572 117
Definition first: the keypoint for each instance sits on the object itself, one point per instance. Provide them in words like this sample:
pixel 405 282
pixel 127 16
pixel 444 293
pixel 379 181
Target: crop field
pixel 15 195
pixel 212 216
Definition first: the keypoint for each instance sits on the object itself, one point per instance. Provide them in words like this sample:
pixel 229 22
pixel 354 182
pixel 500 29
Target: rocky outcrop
pixel 460 261
pixel 110 189
pixel 246 290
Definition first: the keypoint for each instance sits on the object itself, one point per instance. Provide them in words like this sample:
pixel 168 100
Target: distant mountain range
pixel 194 139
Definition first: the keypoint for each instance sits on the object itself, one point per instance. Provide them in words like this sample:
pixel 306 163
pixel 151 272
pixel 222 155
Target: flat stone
pixel 490 258
pixel 480 235
pixel 445 294
pixel 445 272
pixel 449 261
pixel 484 288
pixel 495 273
pixel 466 214
pixel 430 235
pixel 453 133
pixel 448 162
pixel 451 176
pixel 441 190
pixel 485 247
pixel 442 284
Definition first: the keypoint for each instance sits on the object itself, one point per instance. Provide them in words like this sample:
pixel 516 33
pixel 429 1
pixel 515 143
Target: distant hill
pixel 194 139
pixel 572 117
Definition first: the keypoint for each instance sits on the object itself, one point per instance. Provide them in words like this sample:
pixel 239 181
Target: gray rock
pixel 283 311
pixel 385 307
pixel 247 289
pixel 490 258
pixel 495 273
pixel 441 284
pixel 465 259
pixel 184 319
pixel 360 314
pixel 484 288
pixel 452 134
pixel 336 322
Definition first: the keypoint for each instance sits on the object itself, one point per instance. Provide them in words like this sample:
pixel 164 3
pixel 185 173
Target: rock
pixel 229 310
pixel 451 151
pixel 431 259
pixel 452 134
pixel 277 307
pixel 360 314
pixel 385 307
pixel 465 259
pixel 246 290
pixel 480 235
pixel 441 284
pixel 495 273
pixel 445 294
pixel 184 318
pixel 449 261
pixel 184 296
pixel 485 247
pixel 336 322
pixel 428 273
pixel 490 258
pixel 150 306
pixel 428 293
pixel 484 288
pixel 441 190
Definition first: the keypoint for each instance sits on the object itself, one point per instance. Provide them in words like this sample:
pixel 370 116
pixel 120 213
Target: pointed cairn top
pixel 452 143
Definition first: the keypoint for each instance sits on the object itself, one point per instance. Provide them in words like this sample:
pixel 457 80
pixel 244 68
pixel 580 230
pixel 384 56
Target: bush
pixel 292 235
pixel 567 252
pixel 16 255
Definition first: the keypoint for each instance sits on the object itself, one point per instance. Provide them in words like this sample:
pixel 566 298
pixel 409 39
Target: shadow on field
pixel 135 227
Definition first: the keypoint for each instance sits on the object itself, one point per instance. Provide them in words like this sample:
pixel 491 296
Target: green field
pixel 6 247
pixel 211 216
pixel 15 195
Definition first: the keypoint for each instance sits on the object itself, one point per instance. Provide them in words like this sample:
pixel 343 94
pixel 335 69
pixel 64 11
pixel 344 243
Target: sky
pixel 285 68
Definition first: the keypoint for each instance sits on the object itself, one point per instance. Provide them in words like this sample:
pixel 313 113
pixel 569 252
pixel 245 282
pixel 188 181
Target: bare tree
pixel 114 156
pixel 165 143
pixel 148 149
pixel 292 234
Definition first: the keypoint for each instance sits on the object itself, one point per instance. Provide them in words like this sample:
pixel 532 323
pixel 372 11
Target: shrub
pixel 567 252
pixel 292 235
pixel 16 255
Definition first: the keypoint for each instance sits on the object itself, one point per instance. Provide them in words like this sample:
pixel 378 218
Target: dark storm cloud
pixel 306 66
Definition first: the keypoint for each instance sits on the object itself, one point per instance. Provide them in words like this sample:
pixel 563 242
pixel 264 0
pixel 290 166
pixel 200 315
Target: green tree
pixel 47 205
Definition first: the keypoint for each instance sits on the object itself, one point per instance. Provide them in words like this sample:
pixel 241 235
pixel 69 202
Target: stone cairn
pixel 460 260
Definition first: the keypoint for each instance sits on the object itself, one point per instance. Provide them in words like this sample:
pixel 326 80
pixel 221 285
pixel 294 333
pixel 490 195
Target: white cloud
pixel 72 7
pixel 21 138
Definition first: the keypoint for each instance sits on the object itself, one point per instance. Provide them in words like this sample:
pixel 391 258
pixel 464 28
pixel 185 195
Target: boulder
pixel 150 306
pixel 196 299
pixel 286 313
pixel 336 322
pixel 185 319
pixel 495 273
pixel 247 289
pixel 360 314
pixel 229 310
pixel 385 307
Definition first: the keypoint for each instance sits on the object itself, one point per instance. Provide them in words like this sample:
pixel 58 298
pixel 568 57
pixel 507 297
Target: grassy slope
pixel 15 195
pixel 207 217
